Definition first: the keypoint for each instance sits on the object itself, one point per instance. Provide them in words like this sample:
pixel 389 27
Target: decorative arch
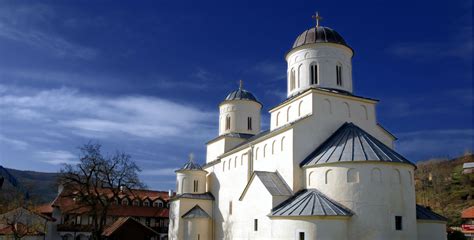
pixel 265 150
pixel 256 153
pixel 288 111
pixel 327 106
pixel 376 175
pixel 300 106
pixel 311 178
pixel 278 119
pixel 328 176
pixel 411 177
pixel 223 166
pixel 282 146
pixel 306 55
pixel 230 163
pixel 365 113
pixel 242 160
pixel 396 176
pixel 347 109
pixel 273 146
pixel 235 162
pixel 352 176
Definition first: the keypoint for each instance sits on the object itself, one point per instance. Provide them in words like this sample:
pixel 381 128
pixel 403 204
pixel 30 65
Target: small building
pixel 23 223
pixel 135 210
pixel 467 226
pixel 468 168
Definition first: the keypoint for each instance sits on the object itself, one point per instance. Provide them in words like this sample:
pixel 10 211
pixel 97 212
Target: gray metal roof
pixel 191 165
pixel 274 183
pixel 319 34
pixel 423 213
pixel 196 212
pixel 201 196
pixel 310 202
pixel 350 143
pixel 241 94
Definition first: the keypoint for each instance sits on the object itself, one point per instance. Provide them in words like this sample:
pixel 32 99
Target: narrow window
pixel 199 237
pixel 339 75
pixel 398 223
pixel 292 79
pixel 255 225
pixel 249 123
pixel 196 185
pixel 314 74
pixel 301 236
pixel 227 123
pixel 230 207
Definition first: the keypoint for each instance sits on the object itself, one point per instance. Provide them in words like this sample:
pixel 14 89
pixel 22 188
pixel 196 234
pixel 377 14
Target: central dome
pixel 319 34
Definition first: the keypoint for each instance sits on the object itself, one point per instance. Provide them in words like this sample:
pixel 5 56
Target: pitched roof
pixel 423 213
pixel 351 143
pixel 272 181
pixel 109 230
pixel 468 213
pixel 310 202
pixel 196 212
pixel 191 165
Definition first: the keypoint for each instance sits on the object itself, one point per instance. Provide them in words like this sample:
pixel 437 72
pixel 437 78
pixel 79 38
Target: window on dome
pixel 255 225
pixel 230 207
pixel 314 74
pixel 292 79
pixel 249 123
pixel 195 186
pixel 227 122
pixel 398 223
pixel 301 236
pixel 339 75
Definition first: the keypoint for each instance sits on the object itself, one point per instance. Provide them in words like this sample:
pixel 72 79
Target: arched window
pixel 273 147
pixel 339 75
pixel 376 175
pixel 227 122
pixel 299 75
pixel 136 202
pixel 288 111
pixel 300 106
pixel 328 176
pixel 249 123
pixel 195 185
pixel 396 177
pixel 292 79
pixel 352 176
pixel 278 119
pixel 183 183
pixel 125 202
pixel 256 154
pixel 264 150
pixel 146 203
pixel 314 74
pixel 282 144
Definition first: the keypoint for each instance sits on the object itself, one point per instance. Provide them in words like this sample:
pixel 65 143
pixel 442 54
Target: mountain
pixel 42 187
pixel 441 185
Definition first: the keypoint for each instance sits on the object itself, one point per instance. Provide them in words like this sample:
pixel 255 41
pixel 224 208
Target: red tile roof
pixel 468 213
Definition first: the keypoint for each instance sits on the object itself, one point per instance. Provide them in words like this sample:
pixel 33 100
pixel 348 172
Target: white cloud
pixel 57 157
pixel 96 116
pixel 26 24
pixel 15 143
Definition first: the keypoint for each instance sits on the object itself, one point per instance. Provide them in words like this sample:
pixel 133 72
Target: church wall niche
pixel 376 175
pixel 352 175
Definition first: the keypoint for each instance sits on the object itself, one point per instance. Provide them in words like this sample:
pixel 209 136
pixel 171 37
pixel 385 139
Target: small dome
pixel 190 165
pixel 241 94
pixel 319 35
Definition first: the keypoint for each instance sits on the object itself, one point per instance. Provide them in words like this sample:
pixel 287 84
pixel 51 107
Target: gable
pixel 272 182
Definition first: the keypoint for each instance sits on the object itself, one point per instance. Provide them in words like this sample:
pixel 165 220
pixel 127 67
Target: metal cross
pixel 317 17
pixel 241 83
pixel 191 157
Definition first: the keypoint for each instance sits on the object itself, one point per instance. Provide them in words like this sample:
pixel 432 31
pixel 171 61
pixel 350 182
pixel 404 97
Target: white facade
pixel 380 194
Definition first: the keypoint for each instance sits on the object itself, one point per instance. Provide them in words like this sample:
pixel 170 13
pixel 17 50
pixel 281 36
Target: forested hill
pixel 42 187
pixel 441 185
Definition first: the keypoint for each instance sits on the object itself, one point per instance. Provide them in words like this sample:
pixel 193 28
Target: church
pixel 325 170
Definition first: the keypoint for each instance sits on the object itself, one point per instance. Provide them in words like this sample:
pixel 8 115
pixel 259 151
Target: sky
pixel 146 77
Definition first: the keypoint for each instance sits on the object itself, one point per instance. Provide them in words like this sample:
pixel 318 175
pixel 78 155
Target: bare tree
pixel 97 181
pixel 23 222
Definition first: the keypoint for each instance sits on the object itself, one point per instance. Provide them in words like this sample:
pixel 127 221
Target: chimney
pixel 170 193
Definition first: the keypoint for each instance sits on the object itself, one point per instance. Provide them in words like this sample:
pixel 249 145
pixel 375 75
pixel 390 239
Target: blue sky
pixel 146 78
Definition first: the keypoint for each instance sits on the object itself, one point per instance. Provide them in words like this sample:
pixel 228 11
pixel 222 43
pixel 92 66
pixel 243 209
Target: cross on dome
pixel 317 17
pixel 191 157
pixel 241 83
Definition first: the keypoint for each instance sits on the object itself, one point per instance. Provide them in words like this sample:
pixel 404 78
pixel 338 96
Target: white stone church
pixel 325 170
